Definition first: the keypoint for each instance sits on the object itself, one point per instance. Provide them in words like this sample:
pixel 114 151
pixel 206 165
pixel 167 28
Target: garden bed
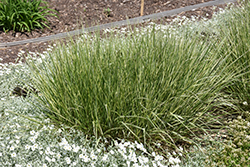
pixel 166 87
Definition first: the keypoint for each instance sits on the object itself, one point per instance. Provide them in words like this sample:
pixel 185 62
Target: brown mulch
pixel 92 12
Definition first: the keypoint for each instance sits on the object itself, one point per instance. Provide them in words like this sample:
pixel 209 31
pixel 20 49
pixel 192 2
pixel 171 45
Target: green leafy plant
pixel 24 15
pixel 107 12
pixel 236 150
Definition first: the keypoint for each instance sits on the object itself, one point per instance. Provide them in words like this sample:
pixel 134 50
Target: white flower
pixel 52 153
pixel 128 163
pixel 67 147
pixel 92 155
pixel 105 157
pixel 12 148
pixel 174 160
pixel 47 158
pixel 35 146
pixel 143 160
pixel 158 158
pixel 75 148
pixel 48 148
pixel 112 152
pixel 1 154
pixel 245 103
pixel 122 151
pixel 247 137
pixel 177 160
pixel 161 165
pixel 132 157
pixel 126 144
pixel 81 156
pixel 132 146
pixel 51 127
pixel 45 52
pixel 141 147
pixel 86 158
pixel 58 155
pixel 136 165
pixel 39 60
pixel 84 150
pixel 44 165
pixel 29 165
pixel 47 152
pixel 18 165
pixel 32 139
pixel 153 154
pixel 67 159
pixel 93 164
pixel 27 147
pixel 42 56
pixel 63 142
pixel 36 135
pixel 13 154
pixel 122 148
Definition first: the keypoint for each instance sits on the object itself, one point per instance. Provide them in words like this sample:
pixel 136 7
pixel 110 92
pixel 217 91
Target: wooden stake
pixel 142 7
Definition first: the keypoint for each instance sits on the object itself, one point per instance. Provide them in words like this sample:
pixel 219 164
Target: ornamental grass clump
pixel 235 28
pixel 236 150
pixel 28 138
pixel 147 88
pixel 24 15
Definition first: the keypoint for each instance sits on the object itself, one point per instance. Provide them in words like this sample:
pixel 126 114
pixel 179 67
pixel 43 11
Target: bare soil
pixel 86 13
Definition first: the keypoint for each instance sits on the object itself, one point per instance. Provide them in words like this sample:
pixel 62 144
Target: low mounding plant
pixel 24 15
pixel 236 150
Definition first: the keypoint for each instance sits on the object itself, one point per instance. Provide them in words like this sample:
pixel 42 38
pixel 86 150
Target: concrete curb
pixel 115 24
